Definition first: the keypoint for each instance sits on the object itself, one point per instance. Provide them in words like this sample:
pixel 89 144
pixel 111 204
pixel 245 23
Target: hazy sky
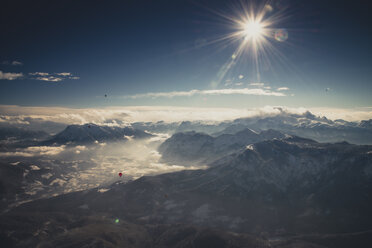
pixel 163 53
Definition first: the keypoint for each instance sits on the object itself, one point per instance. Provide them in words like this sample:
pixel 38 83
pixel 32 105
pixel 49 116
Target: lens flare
pixel 254 30
pixel 281 35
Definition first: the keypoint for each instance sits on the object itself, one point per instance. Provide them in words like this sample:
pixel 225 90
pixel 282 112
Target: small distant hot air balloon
pixel 105 95
pixel 120 174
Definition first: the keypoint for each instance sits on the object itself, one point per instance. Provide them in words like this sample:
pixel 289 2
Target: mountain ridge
pixel 91 133
pixel 252 191
pixel 201 148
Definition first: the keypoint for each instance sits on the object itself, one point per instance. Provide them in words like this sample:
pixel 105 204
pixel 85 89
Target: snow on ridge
pixel 250 147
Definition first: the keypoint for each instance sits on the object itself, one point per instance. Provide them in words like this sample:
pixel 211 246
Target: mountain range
pixel 305 125
pixel 268 182
pixel 91 133
pixel 192 147
pixel 286 188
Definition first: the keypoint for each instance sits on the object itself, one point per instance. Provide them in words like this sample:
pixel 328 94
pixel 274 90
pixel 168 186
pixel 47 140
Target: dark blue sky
pixel 131 49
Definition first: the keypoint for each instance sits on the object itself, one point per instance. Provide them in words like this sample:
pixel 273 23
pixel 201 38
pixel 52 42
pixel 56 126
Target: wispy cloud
pixel 39 73
pixel 49 79
pixel 17 63
pixel 282 88
pixel 52 77
pixel 10 75
pixel 244 91
pixel 257 84
pixel 228 82
pixel 14 63
pixel 41 76
pixel 64 74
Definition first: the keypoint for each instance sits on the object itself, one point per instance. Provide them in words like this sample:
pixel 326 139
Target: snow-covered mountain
pixel 309 126
pixel 306 125
pixel 193 147
pixel 259 181
pixel 366 124
pixel 90 133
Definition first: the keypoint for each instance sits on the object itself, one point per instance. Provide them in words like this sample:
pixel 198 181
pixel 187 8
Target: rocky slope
pixel 201 148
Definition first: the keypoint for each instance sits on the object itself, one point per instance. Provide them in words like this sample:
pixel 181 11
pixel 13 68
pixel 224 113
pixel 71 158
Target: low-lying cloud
pixel 58 170
pixel 33 151
pixel 40 117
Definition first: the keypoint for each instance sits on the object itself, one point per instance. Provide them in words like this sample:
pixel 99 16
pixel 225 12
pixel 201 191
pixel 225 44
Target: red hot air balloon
pixel 120 174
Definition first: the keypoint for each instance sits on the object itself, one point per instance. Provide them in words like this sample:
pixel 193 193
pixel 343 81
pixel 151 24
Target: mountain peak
pixel 90 133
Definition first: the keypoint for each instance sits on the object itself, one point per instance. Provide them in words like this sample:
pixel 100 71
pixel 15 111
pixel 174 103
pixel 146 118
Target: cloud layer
pixel 244 91
pixel 33 151
pixel 36 117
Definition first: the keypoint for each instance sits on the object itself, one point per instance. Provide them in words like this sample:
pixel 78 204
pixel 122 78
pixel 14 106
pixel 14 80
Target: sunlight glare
pixel 253 30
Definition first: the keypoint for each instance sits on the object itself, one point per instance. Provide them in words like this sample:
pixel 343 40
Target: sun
pixel 253 30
